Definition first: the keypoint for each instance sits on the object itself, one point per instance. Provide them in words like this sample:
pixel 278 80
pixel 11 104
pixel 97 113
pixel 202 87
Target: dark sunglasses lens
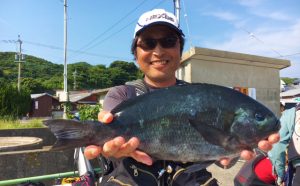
pixel 168 42
pixel 150 44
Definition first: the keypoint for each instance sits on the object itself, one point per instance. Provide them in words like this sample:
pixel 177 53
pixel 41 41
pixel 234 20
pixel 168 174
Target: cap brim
pixel 177 30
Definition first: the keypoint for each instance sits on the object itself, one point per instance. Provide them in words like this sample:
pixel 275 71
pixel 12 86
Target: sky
pixel 101 31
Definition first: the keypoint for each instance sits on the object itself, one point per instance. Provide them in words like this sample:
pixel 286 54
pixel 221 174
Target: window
pixel 36 105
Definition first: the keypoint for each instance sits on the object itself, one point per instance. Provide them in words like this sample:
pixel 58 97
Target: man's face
pixel 158 59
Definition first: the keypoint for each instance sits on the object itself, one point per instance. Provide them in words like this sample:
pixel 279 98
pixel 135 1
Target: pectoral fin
pixel 214 135
pixel 211 134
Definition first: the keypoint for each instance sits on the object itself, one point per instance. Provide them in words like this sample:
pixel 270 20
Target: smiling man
pixel 157 47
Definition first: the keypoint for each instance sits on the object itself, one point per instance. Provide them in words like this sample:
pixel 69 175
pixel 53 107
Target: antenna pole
pixel 177 10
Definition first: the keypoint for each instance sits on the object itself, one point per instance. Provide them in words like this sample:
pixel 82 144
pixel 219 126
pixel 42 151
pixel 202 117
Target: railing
pixel 43 177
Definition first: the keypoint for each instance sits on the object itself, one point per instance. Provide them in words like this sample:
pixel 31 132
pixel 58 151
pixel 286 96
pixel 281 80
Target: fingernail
pixel 106 149
pixel 106 118
pixel 148 162
pixel 93 152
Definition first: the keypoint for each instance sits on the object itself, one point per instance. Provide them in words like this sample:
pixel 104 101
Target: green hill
pixel 40 75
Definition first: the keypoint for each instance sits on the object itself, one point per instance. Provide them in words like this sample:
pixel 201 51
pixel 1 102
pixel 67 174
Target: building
pixel 256 74
pixel 101 94
pixel 290 97
pixel 42 105
pixel 77 98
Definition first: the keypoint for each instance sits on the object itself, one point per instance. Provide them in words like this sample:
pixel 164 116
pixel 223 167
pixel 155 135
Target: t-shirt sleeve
pixel 117 95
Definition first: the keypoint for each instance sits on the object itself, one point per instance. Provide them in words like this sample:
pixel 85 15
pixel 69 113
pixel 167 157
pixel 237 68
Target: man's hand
pixel 117 147
pixel 264 145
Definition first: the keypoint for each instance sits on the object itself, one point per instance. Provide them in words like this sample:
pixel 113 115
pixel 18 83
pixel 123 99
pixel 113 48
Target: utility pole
pixel 19 58
pixel 177 10
pixel 74 75
pixel 65 96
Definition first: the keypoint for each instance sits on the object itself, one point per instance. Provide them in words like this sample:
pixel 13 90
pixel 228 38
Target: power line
pixel 288 55
pixel 112 26
pixel 107 30
pixel 187 25
pixel 58 48
pixel 71 50
pixel 261 41
pixel 121 28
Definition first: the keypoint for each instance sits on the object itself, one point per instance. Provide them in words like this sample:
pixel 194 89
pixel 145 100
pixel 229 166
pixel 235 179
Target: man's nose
pixel 158 50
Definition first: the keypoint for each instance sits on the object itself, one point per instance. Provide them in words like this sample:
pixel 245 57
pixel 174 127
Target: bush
pixel 13 104
pixel 89 112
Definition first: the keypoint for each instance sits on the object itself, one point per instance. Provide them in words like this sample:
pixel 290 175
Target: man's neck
pixel 160 84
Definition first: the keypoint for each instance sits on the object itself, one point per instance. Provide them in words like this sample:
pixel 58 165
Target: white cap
pixel 157 17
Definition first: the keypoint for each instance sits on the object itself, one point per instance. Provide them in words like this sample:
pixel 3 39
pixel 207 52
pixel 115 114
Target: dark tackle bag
pixel 247 176
pixel 128 172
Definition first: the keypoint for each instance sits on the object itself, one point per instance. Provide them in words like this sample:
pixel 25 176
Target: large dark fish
pixel 187 123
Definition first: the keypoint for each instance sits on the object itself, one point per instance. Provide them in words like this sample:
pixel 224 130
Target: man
pixel 290 142
pixel 157 47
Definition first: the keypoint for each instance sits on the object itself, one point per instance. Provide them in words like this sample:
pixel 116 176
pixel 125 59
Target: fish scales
pixel 195 122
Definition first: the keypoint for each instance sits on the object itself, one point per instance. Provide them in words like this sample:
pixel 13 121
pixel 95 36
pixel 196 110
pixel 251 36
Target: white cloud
pixel 250 3
pixel 223 15
pixel 275 15
pixel 266 41
pixel 285 40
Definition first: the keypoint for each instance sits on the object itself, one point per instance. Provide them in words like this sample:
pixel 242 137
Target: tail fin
pixel 69 133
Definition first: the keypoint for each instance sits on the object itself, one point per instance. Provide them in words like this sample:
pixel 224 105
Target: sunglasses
pixel 165 42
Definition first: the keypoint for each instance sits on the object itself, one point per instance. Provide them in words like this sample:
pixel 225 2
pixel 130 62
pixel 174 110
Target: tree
pixel 128 67
pixel 51 78
pixel 118 76
pixel 288 81
pixel 53 83
pixel 1 72
pixel 32 85
pixel 121 72
pixel 14 104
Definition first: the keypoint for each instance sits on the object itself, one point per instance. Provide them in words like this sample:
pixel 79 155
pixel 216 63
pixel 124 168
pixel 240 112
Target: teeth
pixel 162 62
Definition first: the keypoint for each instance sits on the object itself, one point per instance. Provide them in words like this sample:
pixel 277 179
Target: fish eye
pixel 259 117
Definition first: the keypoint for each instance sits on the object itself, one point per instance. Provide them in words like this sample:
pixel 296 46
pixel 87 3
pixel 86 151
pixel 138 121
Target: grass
pixel 19 124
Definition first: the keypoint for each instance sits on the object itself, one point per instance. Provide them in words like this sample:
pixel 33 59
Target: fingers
pixel 274 138
pixel 128 147
pixel 265 145
pixel 92 151
pixel 111 147
pixel 119 148
pixel 247 155
pixel 141 157
pixel 105 117
pixel 225 162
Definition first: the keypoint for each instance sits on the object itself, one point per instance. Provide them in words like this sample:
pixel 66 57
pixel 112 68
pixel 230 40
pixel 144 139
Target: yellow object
pixel 69 180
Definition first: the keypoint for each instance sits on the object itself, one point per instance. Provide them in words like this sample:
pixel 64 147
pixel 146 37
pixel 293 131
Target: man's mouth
pixel 159 62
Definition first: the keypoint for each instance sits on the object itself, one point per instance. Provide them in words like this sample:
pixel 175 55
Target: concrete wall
pixel 235 70
pixel 30 163
pixel 21 163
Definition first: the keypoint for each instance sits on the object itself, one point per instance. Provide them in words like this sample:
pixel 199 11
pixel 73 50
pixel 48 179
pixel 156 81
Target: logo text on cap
pixel 158 16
